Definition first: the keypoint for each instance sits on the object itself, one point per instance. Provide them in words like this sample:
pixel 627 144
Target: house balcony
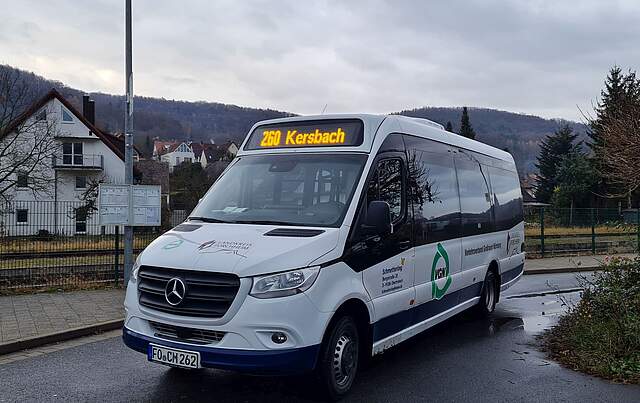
pixel 90 162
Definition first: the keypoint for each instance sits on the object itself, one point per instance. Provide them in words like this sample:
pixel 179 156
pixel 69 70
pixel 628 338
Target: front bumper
pixel 284 361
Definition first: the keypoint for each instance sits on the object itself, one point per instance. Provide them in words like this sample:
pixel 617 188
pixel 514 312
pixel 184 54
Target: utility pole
pixel 128 136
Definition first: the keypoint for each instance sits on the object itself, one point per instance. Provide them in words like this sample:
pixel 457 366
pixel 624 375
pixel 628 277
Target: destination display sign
pixel 322 133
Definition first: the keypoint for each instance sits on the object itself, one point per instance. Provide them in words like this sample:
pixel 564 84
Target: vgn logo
pixel 440 272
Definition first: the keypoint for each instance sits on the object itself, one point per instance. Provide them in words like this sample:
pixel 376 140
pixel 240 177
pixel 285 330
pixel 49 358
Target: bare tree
pixel 26 149
pixel 620 151
pixel 89 197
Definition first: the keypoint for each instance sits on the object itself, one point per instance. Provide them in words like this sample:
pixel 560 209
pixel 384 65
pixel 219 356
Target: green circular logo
pixel 440 271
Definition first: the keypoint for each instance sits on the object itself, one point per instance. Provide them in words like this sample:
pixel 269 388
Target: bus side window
pixel 507 199
pixel 386 185
pixel 475 199
pixel 434 197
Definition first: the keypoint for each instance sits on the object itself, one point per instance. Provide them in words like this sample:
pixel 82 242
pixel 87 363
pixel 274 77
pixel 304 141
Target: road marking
pixel 52 348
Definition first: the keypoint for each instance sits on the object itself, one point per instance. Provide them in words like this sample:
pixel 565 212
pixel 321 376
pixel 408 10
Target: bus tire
pixel 489 295
pixel 338 361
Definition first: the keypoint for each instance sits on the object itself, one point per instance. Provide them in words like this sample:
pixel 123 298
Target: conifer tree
pixel 552 151
pixel 611 105
pixel 466 129
pixel 449 127
pixel 618 101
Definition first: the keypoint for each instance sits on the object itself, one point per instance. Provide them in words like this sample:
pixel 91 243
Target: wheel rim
pixel 345 357
pixel 489 295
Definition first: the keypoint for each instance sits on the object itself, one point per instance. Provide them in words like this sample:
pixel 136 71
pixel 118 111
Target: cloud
pixel 538 56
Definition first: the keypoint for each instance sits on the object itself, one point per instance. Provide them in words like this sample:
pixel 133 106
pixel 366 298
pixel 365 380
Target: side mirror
pixel 378 219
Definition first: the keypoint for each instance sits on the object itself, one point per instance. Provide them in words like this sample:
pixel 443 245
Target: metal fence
pixel 553 231
pixel 62 244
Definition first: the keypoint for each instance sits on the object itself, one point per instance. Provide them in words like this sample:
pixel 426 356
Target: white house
pixel 174 153
pixel 208 153
pixel 83 155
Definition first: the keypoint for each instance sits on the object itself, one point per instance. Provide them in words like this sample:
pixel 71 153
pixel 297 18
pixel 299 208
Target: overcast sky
pixel 539 57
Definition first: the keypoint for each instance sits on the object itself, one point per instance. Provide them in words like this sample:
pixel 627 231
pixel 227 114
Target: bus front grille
pixel 206 294
pixel 186 334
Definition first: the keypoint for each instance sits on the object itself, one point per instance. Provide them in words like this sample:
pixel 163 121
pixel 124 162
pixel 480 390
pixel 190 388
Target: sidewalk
pixel 565 264
pixel 28 321
pixel 31 320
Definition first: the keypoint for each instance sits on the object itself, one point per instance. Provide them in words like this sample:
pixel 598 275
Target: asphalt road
pixel 464 359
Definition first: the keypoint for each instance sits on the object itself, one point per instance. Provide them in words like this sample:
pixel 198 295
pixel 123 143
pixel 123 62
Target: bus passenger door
pixel 479 243
pixel 387 262
pixel 436 206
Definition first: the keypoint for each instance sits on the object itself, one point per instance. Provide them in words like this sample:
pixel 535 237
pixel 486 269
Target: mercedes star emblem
pixel 175 291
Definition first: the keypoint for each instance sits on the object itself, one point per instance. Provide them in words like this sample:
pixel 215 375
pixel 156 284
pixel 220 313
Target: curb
pixel 574 269
pixel 37 341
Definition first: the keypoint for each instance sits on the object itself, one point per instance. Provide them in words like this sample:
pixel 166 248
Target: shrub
pixel 600 335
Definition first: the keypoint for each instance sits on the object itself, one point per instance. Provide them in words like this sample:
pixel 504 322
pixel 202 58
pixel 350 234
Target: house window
pixel 66 116
pixel 22 180
pixel 42 115
pixel 177 160
pixel 187 159
pixel 81 220
pixel 81 182
pixel 72 154
pixel 22 216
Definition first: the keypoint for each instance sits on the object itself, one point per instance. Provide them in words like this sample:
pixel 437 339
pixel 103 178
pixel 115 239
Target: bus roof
pixel 407 125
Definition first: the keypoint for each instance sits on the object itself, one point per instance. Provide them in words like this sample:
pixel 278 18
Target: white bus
pixel 327 240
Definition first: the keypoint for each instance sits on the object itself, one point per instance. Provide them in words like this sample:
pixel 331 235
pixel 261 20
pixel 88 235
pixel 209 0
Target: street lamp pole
pixel 128 136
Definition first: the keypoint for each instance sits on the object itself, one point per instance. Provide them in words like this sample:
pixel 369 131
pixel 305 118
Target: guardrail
pixel 78 161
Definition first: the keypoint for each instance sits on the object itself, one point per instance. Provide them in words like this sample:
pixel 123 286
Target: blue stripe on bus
pixel 281 361
pixel 397 322
pixel 511 274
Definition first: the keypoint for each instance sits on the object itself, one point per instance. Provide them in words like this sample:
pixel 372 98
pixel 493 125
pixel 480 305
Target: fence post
pixel 593 233
pixel 116 265
pixel 542 231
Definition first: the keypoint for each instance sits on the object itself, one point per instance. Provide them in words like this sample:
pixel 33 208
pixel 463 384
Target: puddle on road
pixel 538 313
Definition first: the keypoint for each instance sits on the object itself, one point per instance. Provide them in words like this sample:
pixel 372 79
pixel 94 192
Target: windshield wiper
pixel 207 219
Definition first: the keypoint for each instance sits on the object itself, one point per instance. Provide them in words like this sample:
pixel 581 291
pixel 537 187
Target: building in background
pixel 172 152
pixel 528 185
pixel 177 152
pixel 82 156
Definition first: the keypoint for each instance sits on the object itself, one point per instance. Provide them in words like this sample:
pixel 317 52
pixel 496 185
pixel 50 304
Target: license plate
pixel 174 357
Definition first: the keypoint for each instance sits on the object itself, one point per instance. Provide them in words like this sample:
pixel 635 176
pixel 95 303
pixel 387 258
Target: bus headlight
pixel 283 284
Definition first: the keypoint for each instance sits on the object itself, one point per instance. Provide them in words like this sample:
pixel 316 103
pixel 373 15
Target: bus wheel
pixel 338 362
pixel 489 295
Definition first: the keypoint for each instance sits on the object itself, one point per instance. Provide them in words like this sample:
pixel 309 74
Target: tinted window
pixel 474 198
pixel 386 185
pixel 507 199
pixel 434 196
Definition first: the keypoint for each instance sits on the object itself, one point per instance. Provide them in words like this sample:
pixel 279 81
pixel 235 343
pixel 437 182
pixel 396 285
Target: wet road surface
pixel 464 359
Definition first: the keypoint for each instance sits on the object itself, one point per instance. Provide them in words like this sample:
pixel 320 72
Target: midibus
pixel 327 240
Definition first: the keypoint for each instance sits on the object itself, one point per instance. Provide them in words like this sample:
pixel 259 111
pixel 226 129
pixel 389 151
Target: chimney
pixel 85 105
pixel 91 112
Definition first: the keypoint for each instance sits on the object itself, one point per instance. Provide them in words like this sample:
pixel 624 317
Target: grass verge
pixel 600 335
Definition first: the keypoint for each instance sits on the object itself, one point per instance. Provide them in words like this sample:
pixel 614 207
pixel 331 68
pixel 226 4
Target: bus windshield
pixel 284 189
